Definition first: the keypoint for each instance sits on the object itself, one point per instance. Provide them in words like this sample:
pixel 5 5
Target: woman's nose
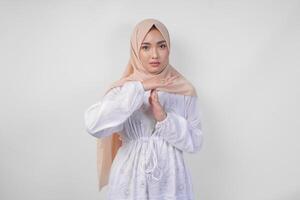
pixel 154 53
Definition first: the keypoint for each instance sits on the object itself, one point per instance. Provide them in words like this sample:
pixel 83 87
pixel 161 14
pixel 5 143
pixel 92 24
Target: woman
pixel 144 123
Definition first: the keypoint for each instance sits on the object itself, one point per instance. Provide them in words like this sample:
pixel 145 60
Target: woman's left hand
pixel 157 109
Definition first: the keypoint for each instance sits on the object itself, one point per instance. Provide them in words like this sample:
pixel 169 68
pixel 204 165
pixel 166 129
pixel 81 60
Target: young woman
pixel 145 122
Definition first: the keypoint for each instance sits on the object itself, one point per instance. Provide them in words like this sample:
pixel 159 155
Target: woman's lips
pixel 154 64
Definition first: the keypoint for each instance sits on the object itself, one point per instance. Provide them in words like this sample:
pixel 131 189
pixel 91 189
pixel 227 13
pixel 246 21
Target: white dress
pixel 149 164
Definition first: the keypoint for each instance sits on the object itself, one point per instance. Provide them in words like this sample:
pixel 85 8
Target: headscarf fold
pixel 107 147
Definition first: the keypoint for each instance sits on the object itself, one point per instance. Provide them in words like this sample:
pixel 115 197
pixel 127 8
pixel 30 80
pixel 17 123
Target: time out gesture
pixel 151 84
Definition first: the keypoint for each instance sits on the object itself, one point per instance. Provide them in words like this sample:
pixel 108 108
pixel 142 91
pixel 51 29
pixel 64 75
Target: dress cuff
pixel 140 85
pixel 163 122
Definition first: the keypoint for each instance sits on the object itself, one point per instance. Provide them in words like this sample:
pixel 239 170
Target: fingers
pixel 153 96
pixel 169 80
pixel 150 96
pixel 161 82
pixel 172 78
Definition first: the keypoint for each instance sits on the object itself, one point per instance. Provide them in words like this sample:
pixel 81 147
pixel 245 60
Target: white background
pixel 57 57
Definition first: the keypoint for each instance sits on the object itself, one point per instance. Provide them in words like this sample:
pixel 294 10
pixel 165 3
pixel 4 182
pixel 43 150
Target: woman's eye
pixel 163 46
pixel 145 47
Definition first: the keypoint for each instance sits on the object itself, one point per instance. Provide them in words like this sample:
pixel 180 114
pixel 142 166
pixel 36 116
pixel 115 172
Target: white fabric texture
pixel 150 163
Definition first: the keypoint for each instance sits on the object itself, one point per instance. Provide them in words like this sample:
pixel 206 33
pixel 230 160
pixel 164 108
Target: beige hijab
pixel 108 146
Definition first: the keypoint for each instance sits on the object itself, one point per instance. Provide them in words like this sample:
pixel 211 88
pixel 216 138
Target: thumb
pixel 151 92
pixel 150 98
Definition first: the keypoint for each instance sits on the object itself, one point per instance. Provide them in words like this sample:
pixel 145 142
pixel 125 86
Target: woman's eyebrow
pixel 159 42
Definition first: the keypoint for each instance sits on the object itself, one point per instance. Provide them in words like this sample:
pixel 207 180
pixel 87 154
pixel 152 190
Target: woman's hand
pixel 156 108
pixel 155 82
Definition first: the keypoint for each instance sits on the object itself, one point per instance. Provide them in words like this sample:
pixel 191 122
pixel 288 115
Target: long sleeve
pixel 108 115
pixel 183 132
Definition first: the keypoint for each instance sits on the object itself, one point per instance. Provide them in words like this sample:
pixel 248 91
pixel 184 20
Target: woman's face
pixel 154 52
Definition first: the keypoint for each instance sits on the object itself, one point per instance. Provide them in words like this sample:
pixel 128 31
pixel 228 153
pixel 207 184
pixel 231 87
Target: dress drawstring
pixel 147 157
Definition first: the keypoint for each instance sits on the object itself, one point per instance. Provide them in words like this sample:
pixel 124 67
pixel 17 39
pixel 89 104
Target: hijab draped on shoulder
pixel 108 146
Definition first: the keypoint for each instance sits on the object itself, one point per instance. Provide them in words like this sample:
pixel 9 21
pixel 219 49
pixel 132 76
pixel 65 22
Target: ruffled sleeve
pixel 109 114
pixel 183 132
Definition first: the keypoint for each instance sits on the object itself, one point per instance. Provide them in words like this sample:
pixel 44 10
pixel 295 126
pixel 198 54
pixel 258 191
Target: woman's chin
pixel 155 71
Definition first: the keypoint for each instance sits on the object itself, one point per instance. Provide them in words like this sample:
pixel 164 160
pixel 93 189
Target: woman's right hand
pixel 155 82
